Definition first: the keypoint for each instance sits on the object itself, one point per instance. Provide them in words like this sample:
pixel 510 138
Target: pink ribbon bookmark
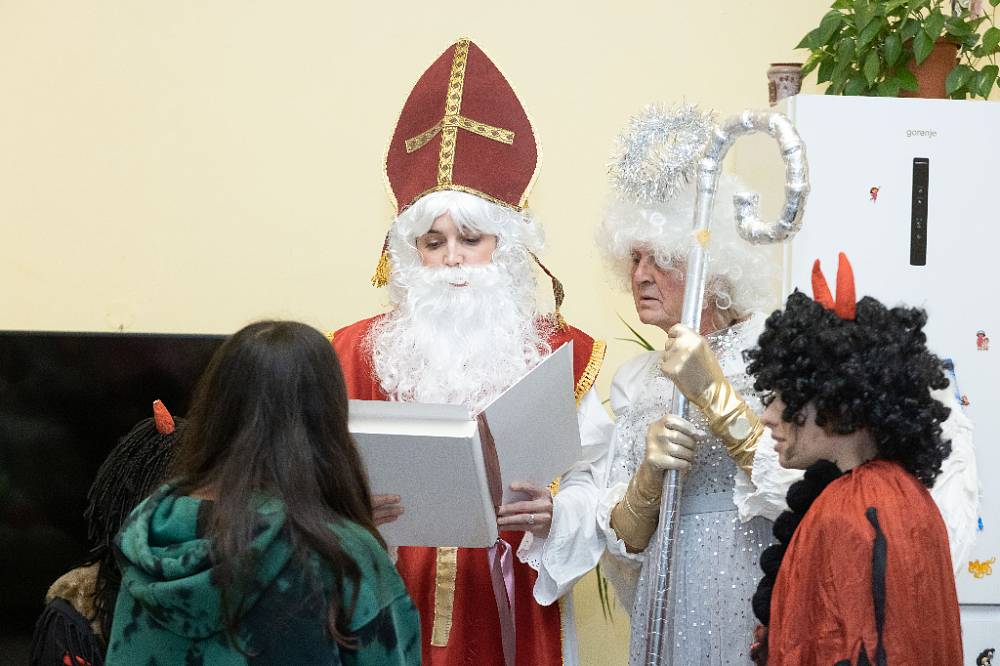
pixel 502 577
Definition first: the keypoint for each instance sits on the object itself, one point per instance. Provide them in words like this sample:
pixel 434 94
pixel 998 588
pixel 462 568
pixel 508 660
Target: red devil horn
pixel 846 301
pixel 821 290
pixel 162 418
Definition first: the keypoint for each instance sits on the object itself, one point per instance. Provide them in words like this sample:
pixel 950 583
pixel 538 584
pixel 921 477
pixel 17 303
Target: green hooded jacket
pixel 169 608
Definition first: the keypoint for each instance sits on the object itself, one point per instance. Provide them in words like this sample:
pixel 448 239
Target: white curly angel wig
pixel 741 276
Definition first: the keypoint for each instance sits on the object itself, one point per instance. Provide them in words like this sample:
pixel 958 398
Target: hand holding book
pixel 533 515
pixel 386 508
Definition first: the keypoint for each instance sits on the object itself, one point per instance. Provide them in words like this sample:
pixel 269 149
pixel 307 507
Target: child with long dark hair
pixel 263 548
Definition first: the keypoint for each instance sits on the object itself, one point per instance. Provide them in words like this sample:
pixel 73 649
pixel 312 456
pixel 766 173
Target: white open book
pixel 452 468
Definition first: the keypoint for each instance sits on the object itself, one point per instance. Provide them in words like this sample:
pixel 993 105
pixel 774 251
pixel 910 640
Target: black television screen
pixel 65 400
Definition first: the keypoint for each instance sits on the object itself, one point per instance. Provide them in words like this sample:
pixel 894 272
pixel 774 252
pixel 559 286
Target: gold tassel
pixel 558 293
pixel 381 277
pixel 560 321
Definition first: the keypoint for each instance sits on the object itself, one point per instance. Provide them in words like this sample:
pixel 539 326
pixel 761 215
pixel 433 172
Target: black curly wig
pixel 130 473
pixel 872 372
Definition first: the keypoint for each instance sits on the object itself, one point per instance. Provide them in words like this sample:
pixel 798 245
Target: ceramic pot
pixel 932 73
pixel 784 79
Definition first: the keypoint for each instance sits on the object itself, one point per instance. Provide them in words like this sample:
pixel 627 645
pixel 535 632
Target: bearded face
pixel 461 335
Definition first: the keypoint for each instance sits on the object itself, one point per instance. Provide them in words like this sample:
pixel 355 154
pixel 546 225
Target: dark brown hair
pixel 270 416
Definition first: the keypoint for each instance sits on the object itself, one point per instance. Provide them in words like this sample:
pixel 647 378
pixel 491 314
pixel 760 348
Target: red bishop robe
pixel 826 597
pixel 465 627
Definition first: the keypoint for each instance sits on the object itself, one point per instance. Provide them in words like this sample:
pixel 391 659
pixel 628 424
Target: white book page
pixel 431 456
pixel 534 424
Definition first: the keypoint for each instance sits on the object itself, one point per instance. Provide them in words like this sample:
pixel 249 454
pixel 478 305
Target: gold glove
pixel 670 444
pixel 691 365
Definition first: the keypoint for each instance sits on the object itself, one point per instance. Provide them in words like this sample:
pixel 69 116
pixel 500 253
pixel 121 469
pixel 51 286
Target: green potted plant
pixel 886 47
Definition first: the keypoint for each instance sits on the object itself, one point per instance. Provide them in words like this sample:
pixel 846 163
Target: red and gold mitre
pixel 462 128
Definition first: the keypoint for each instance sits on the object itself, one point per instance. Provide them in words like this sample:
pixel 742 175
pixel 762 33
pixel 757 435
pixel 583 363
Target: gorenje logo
pixel 929 134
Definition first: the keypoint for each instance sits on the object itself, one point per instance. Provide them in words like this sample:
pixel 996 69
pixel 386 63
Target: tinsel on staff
pixel 654 163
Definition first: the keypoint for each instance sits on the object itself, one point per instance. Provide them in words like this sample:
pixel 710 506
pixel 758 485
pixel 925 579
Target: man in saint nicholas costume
pixel 464 326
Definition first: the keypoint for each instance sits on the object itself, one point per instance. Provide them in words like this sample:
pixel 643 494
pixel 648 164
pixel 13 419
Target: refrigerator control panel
pixel 918 212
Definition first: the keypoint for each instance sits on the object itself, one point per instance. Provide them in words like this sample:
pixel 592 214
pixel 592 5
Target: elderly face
pixel 658 292
pixel 445 245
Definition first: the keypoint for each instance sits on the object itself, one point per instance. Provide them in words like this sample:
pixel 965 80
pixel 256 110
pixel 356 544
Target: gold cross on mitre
pixel 453 120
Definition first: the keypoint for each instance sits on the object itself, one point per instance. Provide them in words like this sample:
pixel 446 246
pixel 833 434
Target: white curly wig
pixel 518 235
pixel 741 276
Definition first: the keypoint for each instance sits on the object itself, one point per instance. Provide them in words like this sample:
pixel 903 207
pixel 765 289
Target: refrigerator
pixel 910 191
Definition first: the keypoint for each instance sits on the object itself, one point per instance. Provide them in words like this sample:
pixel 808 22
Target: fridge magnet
pixel 982 342
pixel 979 523
pixel 982 569
pixel 873 193
pixel 985 658
pixel 964 400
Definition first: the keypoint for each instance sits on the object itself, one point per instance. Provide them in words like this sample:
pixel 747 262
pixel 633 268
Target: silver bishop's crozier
pixel 659 628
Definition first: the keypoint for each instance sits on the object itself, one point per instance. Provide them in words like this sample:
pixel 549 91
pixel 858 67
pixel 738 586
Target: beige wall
pixel 191 166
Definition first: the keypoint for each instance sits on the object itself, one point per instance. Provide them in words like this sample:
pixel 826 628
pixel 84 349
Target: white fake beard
pixel 457 345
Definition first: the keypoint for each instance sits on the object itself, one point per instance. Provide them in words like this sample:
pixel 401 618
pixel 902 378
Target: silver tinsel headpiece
pixel 659 152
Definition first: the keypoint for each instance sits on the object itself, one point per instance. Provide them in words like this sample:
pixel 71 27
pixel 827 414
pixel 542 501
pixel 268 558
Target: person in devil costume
pixel 862 571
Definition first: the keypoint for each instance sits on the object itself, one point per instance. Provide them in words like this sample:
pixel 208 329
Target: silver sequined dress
pixel 717 552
